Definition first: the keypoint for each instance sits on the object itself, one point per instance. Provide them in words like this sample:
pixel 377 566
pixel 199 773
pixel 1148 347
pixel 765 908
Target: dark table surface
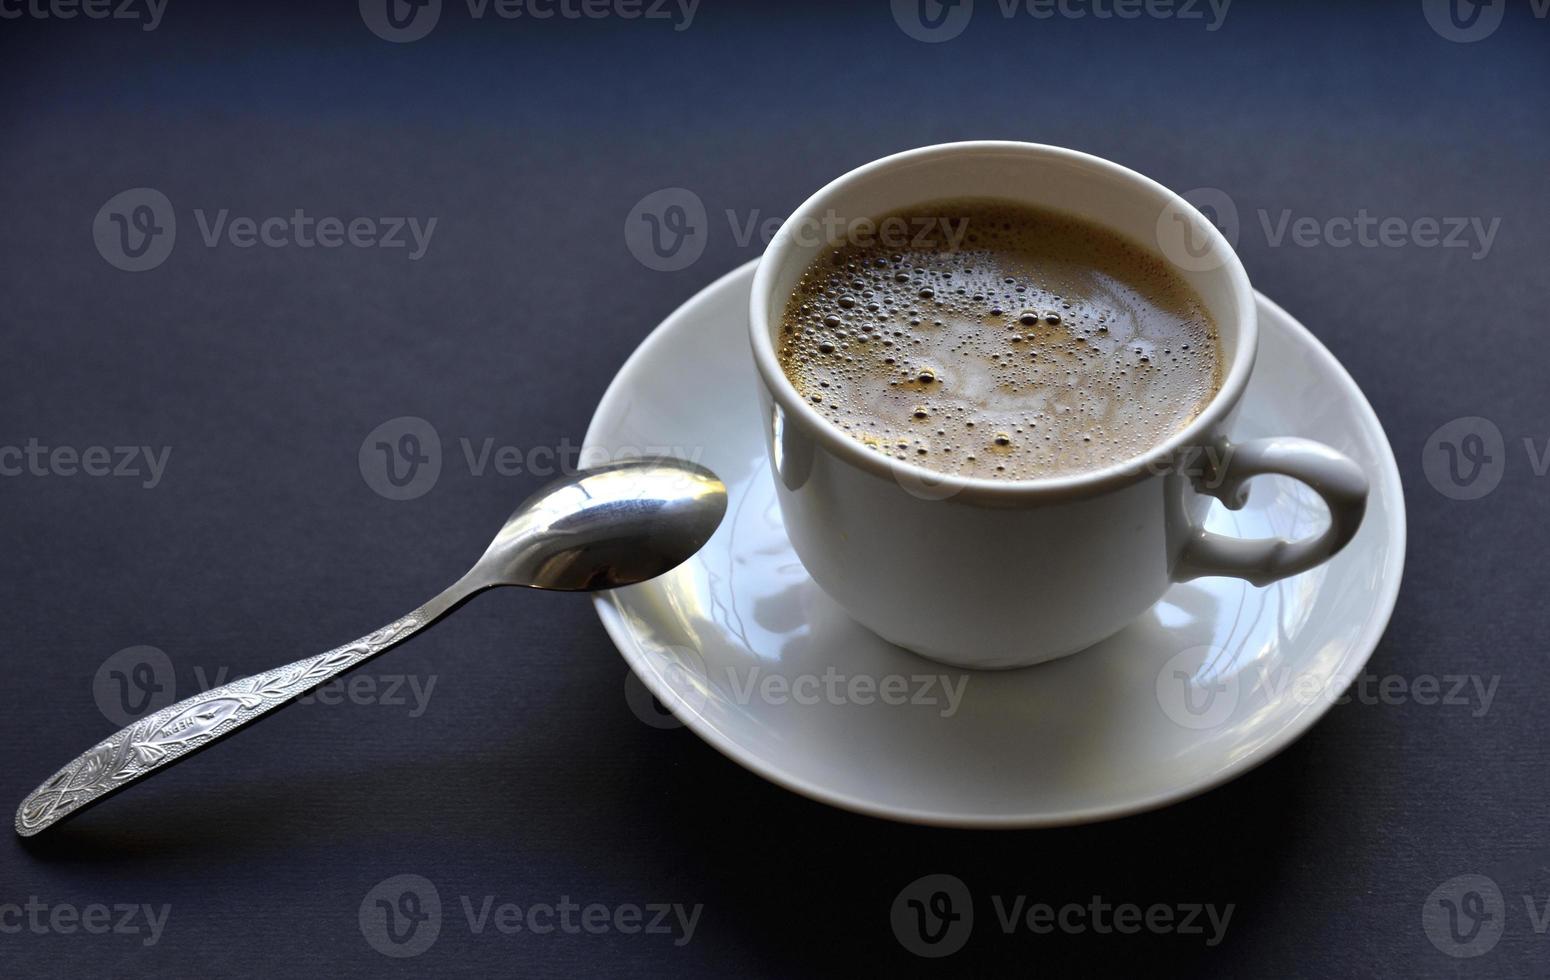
pixel 497 756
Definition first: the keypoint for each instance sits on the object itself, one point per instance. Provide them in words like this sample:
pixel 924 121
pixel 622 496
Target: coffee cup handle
pixel 1261 561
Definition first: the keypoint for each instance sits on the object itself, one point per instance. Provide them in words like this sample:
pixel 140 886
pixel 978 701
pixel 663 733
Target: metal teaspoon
pixel 600 528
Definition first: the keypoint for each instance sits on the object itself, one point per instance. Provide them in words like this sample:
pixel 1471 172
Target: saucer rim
pixel 609 611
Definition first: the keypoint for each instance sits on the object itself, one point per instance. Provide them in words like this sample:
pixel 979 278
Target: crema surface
pixel 1000 341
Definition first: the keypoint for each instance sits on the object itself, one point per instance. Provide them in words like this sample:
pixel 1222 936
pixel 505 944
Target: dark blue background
pixel 528 777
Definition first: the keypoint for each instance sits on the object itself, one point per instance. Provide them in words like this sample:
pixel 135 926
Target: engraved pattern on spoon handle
pixel 160 739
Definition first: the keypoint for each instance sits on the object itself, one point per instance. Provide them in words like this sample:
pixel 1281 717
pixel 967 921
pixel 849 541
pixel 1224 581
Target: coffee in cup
pixel 1000 341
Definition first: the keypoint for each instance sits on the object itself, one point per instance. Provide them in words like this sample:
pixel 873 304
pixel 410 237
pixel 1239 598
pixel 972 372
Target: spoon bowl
pixel 607 527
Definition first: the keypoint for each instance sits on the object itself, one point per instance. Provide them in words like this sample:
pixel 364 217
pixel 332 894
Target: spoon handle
pixel 177 731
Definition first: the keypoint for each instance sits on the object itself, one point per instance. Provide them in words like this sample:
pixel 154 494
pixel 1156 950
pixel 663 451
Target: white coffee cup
pixel 1001 573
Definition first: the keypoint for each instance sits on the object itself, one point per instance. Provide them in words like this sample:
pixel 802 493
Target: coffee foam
pixel 1039 345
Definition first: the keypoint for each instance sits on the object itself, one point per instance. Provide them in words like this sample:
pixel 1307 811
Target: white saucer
pixel 1213 680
